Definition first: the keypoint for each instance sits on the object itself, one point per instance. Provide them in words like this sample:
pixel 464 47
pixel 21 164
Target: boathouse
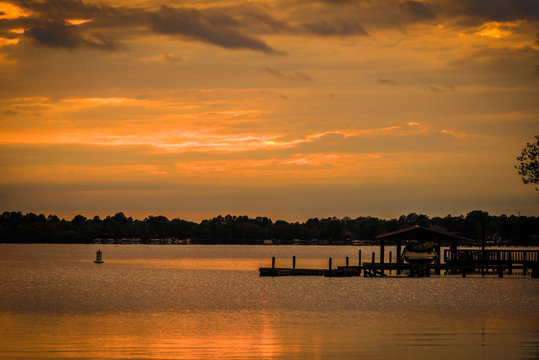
pixel 417 233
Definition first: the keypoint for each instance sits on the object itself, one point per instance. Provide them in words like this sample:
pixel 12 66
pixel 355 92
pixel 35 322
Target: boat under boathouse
pixel 419 234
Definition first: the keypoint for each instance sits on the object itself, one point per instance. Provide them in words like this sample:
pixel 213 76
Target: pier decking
pixel 461 262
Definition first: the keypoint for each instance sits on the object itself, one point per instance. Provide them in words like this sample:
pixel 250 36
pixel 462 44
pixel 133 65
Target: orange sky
pixel 288 109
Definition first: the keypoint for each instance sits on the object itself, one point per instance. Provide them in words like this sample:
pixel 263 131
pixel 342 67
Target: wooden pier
pixel 461 262
pixel 339 271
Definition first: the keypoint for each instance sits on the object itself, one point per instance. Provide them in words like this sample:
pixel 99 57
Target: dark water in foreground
pixel 207 302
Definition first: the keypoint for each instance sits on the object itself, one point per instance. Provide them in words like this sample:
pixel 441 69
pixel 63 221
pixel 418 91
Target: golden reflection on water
pixel 150 336
pixel 223 264
pixel 191 264
pixel 253 335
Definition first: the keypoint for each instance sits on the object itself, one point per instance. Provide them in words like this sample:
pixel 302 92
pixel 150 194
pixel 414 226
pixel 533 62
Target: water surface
pixel 201 302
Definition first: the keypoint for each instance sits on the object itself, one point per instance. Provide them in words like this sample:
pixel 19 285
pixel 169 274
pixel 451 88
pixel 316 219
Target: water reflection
pixel 152 336
pixel 208 302
pixel 250 335
pixel 191 264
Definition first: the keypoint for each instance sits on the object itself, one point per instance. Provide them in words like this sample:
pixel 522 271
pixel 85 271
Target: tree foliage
pixel 16 227
pixel 528 166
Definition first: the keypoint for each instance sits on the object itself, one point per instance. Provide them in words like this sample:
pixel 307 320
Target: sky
pixel 287 108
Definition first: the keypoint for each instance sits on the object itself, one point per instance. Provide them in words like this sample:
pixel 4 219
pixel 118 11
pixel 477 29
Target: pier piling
pixel 463 262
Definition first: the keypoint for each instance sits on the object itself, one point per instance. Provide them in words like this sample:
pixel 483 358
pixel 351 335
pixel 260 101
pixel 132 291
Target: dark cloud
pixel 440 89
pixel 206 25
pixel 304 77
pixel 419 9
pixel 333 2
pixel 338 2
pixel 275 72
pixel 387 81
pixel 211 27
pixel 64 9
pixel 62 35
pixel 5 28
pixel 263 20
pixel 335 27
pixel 296 76
pixel 501 10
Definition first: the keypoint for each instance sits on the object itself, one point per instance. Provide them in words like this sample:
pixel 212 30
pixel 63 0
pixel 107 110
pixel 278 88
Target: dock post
pixel 347 261
pixel 510 260
pixel 329 264
pixel 294 262
pixel 390 262
pixel 463 273
pixel 359 263
pixel 535 272
pixel 273 263
pixel 372 257
pixel 483 261
pixel 499 266
pixel 438 259
pixel 398 256
pixel 382 251
pixel 525 270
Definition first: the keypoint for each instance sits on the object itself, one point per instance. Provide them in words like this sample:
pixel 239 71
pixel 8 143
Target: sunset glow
pixel 278 108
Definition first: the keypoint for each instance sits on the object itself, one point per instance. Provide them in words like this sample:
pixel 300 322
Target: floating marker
pixel 99 257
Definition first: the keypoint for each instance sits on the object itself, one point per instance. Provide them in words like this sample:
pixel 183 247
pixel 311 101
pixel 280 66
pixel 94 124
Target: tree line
pixel 16 227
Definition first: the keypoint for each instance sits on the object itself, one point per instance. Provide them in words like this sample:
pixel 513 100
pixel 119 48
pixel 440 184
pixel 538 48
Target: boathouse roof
pixel 417 232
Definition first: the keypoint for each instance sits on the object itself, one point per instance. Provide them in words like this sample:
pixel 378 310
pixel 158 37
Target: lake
pixel 208 302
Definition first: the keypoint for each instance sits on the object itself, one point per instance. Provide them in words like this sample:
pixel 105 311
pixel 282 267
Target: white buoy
pixel 99 257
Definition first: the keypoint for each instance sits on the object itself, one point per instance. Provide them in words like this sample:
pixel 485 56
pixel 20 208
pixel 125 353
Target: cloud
pixel 207 25
pixel 387 81
pixel 61 35
pixel 335 27
pixel 164 57
pixel 257 19
pixel 275 72
pixel 419 9
pixel 340 2
pixel 501 10
pixel 212 27
pixel 440 89
pixel 304 76
pixel 63 9
pixel 296 76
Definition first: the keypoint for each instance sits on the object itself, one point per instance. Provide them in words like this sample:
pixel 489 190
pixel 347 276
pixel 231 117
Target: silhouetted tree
pixel 528 166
